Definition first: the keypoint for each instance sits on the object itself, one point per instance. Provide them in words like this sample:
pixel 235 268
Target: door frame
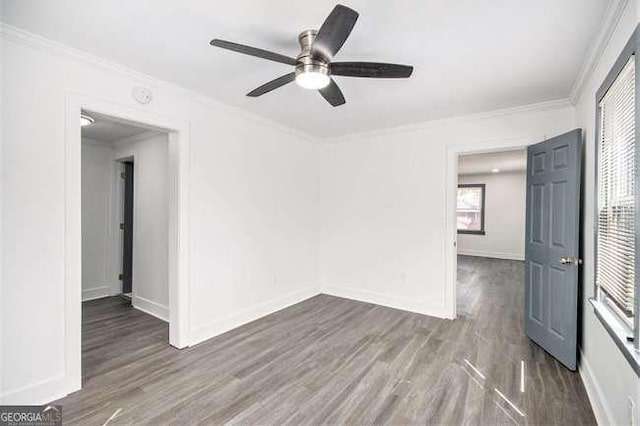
pixel 179 198
pixel 451 185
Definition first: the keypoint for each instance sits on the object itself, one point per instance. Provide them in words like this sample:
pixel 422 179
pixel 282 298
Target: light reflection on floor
pixel 481 380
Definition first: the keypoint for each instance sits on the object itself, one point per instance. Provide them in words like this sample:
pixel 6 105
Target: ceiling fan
pixel 314 66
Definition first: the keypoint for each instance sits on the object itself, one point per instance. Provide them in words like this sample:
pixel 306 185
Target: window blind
pixel 615 264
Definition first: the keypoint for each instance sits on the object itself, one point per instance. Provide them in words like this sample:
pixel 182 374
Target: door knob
pixel 569 260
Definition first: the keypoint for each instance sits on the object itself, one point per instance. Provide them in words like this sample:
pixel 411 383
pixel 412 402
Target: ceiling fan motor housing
pixel 308 60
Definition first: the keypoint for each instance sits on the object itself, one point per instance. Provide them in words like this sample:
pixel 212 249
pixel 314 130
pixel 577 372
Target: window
pixel 470 210
pixel 618 195
pixel 615 269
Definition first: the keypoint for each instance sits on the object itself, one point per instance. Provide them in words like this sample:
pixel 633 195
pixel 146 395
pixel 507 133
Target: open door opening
pixel 514 234
pixel 126 226
pixel 531 289
pixel 515 226
pixel 125 241
pixel 490 227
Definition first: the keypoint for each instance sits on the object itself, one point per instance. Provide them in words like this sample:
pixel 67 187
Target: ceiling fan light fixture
pixel 312 80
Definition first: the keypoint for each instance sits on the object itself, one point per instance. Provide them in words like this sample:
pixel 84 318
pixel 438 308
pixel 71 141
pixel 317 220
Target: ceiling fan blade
pixel 333 94
pixel 370 69
pixel 334 31
pixel 272 85
pixel 253 51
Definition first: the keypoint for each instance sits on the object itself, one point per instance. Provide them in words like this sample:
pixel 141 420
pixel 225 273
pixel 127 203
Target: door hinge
pixel 120 277
pixel 123 175
pixel 122 226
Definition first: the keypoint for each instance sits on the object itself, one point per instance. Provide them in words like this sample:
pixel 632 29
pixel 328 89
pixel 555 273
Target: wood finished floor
pixel 333 361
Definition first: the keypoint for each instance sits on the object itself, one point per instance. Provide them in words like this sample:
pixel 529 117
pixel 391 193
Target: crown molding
pixel 615 10
pixel 20 36
pixel 26 38
pixel 423 125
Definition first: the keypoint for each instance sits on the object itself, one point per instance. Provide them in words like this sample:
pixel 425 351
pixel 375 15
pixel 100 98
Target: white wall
pixel 383 204
pixel 2 182
pixel 151 222
pixel 253 217
pixel 97 180
pixel 258 194
pixel 505 205
pixel 101 215
pixel 608 376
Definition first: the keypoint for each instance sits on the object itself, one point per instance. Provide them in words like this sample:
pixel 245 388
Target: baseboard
pixel 96 293
pixel 491 254
pixel 410 305
pixel 39 393
pixel 150 307
pixel 50 390
pixel 601 408
pixel 217 327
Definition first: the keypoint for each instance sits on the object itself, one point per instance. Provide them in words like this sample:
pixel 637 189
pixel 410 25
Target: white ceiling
pixel 469 56
pixel 505 161
pixel 109 129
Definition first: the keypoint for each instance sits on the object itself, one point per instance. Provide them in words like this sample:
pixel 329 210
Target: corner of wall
pixel 384 299
pixel 214 328
pixel 601 409
pixel 97 292
pixel 152 308
pixel 615 11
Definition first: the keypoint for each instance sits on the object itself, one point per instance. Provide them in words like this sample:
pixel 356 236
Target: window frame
pixel 482 187
pixel 619 327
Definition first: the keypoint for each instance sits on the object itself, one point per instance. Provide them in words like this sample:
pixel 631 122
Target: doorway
pixel 125 241
pixel 178 250
pixel 484 151
pixel 127 179
pixel 490 226
pixel 502 200
pixel 551 239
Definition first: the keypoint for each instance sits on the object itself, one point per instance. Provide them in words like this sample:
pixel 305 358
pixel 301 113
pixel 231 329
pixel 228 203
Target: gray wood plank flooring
pixel 333 361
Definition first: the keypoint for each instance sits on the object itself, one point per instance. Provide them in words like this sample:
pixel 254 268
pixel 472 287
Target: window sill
pixel 618 334
pixel 471 232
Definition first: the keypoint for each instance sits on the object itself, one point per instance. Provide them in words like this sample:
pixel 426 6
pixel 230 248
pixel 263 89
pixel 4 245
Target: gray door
pixel 552 244
pixel 127 228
